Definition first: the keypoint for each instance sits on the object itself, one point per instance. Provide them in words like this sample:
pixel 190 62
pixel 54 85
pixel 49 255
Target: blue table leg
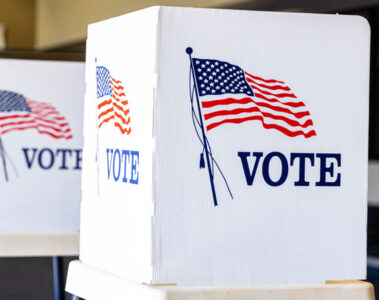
pixel 58 278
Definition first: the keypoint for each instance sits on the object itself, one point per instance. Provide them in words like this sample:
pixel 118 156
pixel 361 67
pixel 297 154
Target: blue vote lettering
pixel 328 165
pixel 46 158
pixel 120 162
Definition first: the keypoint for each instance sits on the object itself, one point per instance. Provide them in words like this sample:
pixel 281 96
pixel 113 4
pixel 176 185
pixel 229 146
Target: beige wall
pixel 18 15
pixel 48 24
pixel 62 22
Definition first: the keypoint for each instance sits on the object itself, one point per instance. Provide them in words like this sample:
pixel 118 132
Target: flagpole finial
pixel 189 50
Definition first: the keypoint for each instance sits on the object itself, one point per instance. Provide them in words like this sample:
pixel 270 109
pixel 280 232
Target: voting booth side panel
pixel 117 206
pixel 41 106
pixel 260 166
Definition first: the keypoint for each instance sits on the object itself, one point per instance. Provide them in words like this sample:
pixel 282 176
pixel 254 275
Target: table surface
pixel 13 245
pixel 92 284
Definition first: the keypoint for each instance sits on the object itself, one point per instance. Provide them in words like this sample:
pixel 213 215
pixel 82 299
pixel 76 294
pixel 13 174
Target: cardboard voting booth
pixel 226 147
pixel 41 136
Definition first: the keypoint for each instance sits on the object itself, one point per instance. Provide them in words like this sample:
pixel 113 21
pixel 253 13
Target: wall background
pixel 19 17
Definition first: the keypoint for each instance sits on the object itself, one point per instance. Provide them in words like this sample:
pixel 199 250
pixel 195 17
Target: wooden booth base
pixel 92 284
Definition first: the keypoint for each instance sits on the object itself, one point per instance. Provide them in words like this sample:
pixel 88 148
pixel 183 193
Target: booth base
pixel 92 284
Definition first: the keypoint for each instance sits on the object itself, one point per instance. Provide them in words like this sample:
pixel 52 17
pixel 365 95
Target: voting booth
pixel 226 147
pixel 41 140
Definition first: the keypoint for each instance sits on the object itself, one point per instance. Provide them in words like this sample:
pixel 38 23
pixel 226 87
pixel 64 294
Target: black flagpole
pixel 2 154
pixel 189 52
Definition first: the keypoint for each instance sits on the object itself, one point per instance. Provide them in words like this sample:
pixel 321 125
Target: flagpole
pixel 189 52
pixel 2 154
pixel 97 137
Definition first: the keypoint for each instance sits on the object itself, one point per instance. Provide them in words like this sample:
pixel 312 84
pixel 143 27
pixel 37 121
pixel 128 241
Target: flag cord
pixel 2 154
pixel 11 161
pixel 195 121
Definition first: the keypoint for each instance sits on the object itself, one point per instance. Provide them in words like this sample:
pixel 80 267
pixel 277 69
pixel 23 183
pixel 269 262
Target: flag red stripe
pixel 117 87
pixel 122 118
pixel 44 110
pixel 105 102
pixel 40 105
pixel 227 101
pixel 16 123
pixel 291 104
pixel 124 102
pixel 46 115
pixel 265 80
pixel 59 118
pixel 267 126
pixel 15 116
pixel 121 109
pixel 281 95
pixel 272 87
pixel 106 120
pixel 127 130
pixel 116 81
pixel 208 104
pixel 18 128
pixel 52 121
pixel 116 98
pixel 237 111
pixel 65 124
pixel 106 112
pixel 299 115
pixel 53 128
pixel 43 117
pixel 67 137
pixel 119 94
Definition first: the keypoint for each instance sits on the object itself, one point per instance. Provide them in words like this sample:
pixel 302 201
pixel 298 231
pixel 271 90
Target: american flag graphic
pixel 231 95
pixel 112 103
pixel 20 113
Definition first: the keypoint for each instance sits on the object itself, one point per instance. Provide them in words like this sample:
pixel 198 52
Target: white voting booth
pixel 41 139
pixel 223 148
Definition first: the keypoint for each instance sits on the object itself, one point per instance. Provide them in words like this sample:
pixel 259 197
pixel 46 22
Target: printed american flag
pixel 20 113
pixel 112 103
pixel 231 95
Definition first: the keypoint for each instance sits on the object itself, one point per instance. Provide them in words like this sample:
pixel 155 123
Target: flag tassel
pixel 202 161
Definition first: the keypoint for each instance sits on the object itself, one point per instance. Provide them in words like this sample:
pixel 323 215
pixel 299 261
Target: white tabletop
pixel 39 245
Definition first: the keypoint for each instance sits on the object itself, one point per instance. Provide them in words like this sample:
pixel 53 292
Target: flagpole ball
pixel 189 50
